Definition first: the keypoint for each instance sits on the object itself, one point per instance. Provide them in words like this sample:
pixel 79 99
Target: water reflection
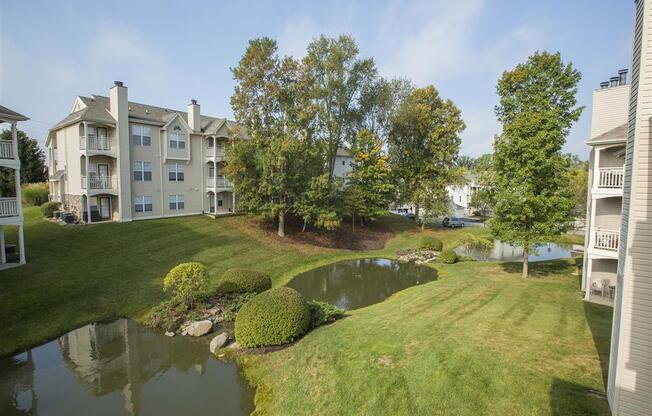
pixel 357 283
pixel 506 252
pixel 121 368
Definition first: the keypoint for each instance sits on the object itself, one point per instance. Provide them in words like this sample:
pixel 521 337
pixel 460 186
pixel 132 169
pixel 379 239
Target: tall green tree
pixel 276 164
pixel 379 102
pixel 423 146
pixel 371 176
pixel 32 163
pixel 483 173
pixel 578 177
pixel 337 78
pixel 533 202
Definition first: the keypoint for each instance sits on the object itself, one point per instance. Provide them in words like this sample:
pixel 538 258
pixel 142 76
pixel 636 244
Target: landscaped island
pixel 478 340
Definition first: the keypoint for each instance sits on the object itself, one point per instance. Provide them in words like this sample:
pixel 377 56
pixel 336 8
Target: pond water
pixel 354 284
pixel 506 252
pixel 122 368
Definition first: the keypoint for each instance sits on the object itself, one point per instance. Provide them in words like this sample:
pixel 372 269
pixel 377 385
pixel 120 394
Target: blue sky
pixel 170 52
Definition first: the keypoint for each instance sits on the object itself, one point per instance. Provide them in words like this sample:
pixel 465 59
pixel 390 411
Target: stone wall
pixel 73 203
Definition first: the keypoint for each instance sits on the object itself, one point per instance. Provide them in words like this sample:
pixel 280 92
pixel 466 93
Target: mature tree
pixel 379 101
pixel 354 202
pixel 578 177
pixel 537 108
pixel 337 77
pixel 466 162
pixel 423 146
pixel 483 173
pixel 315 205
pixel 371 176
pixel 275 166
pixel 32 163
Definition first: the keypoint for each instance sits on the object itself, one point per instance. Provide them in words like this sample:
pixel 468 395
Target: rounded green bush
pixel 448 257
pixel 243 281
pixel 274 317
pixel 48 208
pixel 186 282
pixel 431 243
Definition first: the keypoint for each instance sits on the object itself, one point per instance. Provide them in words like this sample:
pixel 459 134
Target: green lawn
pixel 480 340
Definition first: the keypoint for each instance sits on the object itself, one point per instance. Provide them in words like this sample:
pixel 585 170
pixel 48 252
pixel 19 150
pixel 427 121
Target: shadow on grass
pixel 567 398
pixel 599 318
pixel 541 268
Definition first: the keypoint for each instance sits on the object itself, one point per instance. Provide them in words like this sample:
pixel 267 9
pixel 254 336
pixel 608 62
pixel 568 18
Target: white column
pixel 3 255
pixel 587 281
pixel 215 201
pixel 596 168
pixel 14 141
pixel 232 201
pixel 591 228
pixel 21 244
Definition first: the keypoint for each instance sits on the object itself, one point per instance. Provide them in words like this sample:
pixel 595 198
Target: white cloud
pixel 296 35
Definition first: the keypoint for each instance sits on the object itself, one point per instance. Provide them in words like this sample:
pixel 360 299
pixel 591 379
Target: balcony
pixel 94 143
pixel 611 178
pixel 219 183
pixel 607 240
pixel 99 183
pixel 213 153
pixel 8 207
pixel 6 149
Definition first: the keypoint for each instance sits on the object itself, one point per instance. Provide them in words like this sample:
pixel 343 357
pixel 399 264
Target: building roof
pixel 97 110
pixel 10 115
pixel 343 152
pixel 617 135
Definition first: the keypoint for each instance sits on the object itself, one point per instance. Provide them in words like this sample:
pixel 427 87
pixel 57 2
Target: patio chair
pixel 598 287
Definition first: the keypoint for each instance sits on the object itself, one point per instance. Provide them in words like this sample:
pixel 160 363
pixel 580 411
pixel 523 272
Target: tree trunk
pixel 361 221
pixel 281 224
pixel 305 222
pixel 423 224
pixel 416 212
pixel 525 263
pixel 353 221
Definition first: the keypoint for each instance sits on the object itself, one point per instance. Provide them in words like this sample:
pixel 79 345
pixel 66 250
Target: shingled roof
pixel 619 134
pixel 11 115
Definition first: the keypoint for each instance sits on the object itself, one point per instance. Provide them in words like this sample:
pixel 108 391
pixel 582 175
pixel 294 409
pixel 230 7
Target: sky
pixel 168 52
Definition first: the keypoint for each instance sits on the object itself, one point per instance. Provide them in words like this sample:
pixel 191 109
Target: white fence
pixel 219 183
pixel 8 207
pixel 611 177
pixel 99 182
pixel 6 149
pixel 607 239
pixel 95 143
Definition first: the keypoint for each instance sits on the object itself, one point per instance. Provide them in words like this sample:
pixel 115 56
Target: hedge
pixel 186 282
pixel 245 281
pixel 431 243
pixel 48 208
pixel 274 317
pixel 448 257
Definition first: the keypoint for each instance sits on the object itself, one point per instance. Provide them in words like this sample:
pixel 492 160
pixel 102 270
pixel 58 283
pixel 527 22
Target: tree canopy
pixel 32 163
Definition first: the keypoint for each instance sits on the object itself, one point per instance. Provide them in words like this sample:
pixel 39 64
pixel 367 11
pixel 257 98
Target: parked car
pixel 453 222
pixel 409 215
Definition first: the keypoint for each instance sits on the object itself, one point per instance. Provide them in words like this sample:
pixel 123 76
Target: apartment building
pixel 609 128
pixel 629 387
pixel 112 159
pixel 11 210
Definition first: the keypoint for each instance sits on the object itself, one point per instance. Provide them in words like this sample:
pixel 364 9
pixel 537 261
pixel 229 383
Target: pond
pixel 122 368
pixel 506 252
pixel 354 284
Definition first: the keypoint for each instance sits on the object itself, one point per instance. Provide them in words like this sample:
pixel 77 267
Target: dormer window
pixel 177 138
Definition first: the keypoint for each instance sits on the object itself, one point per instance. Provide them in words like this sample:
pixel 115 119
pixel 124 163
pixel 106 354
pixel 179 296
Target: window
pixel 343 163
pixel 220 202
pixel 142 170
pixel 143 204
pixel 176 202
pixel 141 135
pixel 177 138
pixel 175 172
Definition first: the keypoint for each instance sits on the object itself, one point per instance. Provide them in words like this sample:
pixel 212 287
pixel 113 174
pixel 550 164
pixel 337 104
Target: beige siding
pixel 609 109
pixel 630 378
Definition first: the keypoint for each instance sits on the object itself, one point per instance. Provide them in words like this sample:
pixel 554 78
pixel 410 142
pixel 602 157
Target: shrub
pixel 431 243
pixel 186 282
pixel 167 315
pixel 236 303
pixel 323 313
pixel 35 194
pixel 448 257
pixel 48 208
pixel 244 281
pixel 482 244
pixel 274 317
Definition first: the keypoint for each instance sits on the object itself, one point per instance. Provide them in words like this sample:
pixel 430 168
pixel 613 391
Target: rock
pixel 217 319
pixel 219 342
pixel 213 311
pixel 169 333
pixel 198 328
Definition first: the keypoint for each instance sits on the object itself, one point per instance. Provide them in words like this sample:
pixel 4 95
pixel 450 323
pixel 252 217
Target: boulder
pixel 169 333
pixel 219 342
pixel 198 328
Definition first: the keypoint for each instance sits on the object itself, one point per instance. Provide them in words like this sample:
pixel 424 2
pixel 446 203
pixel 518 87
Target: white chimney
pixel 119 109
pixel 193 116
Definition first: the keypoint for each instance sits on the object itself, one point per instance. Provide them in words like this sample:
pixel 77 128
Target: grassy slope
pixel 481 340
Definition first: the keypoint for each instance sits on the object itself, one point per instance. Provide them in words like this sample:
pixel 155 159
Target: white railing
pixel 220 183
pixel 98 182
pixel 95 143
pixel 6 149
pixel 611 178
pixel 212 152
pixel 8 207
pixel 607 239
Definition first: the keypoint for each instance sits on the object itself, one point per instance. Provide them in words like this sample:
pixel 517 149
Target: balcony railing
pixel 8 207
pixel 212 152
pixel 220 183
pixel 611 178
pixel 607 239
pixel 98 182
pixel 6 149
pixel 95 143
